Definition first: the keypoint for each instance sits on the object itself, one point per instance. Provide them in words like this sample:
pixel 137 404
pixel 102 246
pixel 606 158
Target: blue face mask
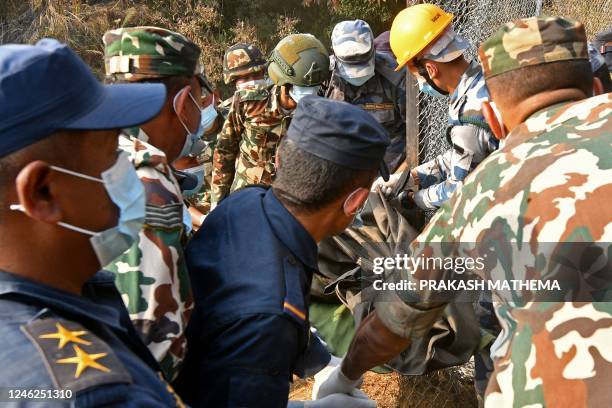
pixel 359 80
pixel 298 92
pixel 208 116
pixel 193 141
pixel 127 192
pixel 428 89
pixel 198 172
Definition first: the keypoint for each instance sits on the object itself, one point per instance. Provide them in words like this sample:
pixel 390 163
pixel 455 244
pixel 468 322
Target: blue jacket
pixel 251 266
pixel 46 332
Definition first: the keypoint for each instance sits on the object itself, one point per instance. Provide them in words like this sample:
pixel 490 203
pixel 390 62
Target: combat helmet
pixel 299 59
pixel 240 60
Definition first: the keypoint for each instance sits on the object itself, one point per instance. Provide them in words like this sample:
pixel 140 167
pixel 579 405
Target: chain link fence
pixel 476 20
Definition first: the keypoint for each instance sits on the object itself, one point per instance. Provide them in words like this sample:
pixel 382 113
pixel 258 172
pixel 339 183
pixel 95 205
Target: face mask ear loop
pixel 19 207
pixel 76 174
pixel 176 112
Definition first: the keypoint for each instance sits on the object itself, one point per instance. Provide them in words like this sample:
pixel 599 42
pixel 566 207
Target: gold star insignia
pixel 84 360
pixel 66 336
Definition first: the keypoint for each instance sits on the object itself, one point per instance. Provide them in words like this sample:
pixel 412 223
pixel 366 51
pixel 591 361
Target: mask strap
pixel 76 174
pixel 19 207
pixel 423 73
pixel 176 112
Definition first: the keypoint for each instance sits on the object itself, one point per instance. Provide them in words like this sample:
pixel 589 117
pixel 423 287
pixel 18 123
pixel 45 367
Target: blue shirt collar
pixel 59 300
pixel 289 231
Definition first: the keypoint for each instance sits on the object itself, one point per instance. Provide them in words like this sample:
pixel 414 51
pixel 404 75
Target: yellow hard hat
pixel 414 28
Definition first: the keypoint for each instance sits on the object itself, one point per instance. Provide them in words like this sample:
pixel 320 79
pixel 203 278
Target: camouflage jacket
pixel 384 97
pixel 202 200
pixel 248 140
pixel 152 276
pixel 469 136
pixel 536 209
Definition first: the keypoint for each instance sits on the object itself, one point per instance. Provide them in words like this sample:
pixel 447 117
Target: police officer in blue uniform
pixel 69 203
pixel 252 262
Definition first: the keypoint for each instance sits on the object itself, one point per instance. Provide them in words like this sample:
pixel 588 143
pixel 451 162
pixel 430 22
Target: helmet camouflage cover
pixel 138 53
pixel 299 59
pixel 240 60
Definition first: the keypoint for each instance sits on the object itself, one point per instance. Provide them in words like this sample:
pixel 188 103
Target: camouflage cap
pixel 353 45
pixel 240 60
pixel 533 41
pixel 137 53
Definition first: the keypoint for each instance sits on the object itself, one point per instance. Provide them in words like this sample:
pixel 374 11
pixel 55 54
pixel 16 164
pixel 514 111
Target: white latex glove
pixel 385 186
pixel 341 401
pixel 330 380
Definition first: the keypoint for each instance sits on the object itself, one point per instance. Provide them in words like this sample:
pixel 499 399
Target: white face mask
pixel 127 192
pixel 298 92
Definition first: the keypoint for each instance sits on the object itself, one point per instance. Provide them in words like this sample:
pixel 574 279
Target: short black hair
pixel 306 183
pixel 604 76
pixel 519 84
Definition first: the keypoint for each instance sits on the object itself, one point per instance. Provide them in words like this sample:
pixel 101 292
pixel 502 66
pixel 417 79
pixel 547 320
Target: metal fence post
pixel 412 121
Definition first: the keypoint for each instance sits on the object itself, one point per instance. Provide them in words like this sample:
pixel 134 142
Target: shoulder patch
pixel 167 217
pixel 75 358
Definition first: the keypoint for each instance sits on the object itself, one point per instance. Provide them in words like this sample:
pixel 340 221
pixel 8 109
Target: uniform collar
pixel 289 231
pixel 470 77
pixel 58 300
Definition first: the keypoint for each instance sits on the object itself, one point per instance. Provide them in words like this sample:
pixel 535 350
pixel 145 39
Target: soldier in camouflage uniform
pixel 434 54
pixel 538 208
pixel 364 77
pixel 151 276
pixel 243 64
pixel 260 114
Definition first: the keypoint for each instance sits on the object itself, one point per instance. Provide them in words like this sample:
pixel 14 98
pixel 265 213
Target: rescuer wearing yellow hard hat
pixel 422 38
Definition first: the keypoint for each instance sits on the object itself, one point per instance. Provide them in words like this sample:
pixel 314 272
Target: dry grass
pixel 449 388
pixel 213 24
pixel 382 388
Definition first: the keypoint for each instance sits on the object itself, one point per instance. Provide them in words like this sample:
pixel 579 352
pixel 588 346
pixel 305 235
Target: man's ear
pixel 497 127
pixel 355 201
pixel 183 106
pixel 37 193
pixel 598 88
pixel 432 69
